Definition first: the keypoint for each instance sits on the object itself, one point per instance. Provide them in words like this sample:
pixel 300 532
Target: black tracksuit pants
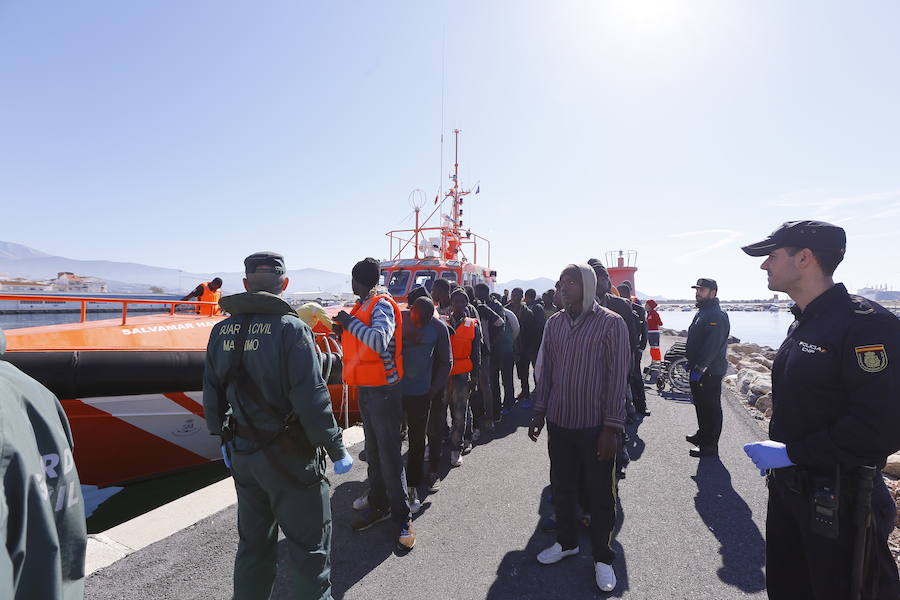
pixel 636 380
pixel 573 464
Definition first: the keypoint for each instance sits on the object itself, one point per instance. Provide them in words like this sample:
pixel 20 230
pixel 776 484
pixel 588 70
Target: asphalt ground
pixel 686 528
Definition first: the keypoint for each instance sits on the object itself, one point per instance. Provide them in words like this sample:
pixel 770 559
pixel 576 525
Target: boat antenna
pixel 440 193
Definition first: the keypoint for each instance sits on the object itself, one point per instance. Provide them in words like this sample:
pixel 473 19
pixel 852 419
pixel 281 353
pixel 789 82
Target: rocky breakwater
pixel 750 377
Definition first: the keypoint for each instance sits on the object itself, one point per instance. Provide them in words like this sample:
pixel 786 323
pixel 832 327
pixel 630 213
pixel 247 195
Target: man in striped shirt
pixel 381 406
pixel 580 393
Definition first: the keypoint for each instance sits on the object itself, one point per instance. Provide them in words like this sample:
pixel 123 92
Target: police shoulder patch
pixel 861 305
pixel 872 359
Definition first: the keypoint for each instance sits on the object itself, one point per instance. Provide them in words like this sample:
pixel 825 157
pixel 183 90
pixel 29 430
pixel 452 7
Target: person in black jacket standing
pixel 636 378
pixel 707 344
pixel 835 419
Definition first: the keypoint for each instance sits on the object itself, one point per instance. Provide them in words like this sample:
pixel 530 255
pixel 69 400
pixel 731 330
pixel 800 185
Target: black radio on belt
pixel 825 505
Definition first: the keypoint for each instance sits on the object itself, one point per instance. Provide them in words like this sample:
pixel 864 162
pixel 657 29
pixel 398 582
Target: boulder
pixel 892 467
pixel 762 385
pixel 733 340
pixel 764 403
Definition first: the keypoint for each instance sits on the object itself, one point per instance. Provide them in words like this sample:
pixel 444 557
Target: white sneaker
pixel 606 577
pixel 555 553
pixel 455 459
pixel 361 503
pixel 414 504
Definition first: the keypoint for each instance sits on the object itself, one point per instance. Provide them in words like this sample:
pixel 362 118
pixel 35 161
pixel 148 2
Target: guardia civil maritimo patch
pixel 872 359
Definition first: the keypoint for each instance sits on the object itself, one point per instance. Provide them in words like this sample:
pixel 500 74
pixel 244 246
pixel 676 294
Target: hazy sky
pixel 190 134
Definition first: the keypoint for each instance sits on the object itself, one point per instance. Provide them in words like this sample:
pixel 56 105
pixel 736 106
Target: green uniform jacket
pixel 280 356
pixel 41 506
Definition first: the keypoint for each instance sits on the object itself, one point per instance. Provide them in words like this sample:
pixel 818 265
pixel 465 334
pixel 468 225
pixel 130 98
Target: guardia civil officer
pixel 835 419
pixel 707 344
pixel 42 529
pixel 263 392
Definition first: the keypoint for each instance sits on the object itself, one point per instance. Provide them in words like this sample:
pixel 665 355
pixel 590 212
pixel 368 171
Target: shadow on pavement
pixel 681 397
pixel 635 445
pixel 722 509
pixel 521 577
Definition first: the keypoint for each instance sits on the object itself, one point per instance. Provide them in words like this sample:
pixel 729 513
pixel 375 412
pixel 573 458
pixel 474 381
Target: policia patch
pixel 872 359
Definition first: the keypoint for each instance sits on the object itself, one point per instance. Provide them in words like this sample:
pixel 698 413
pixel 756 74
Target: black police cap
pixel 706 282
pixel 264 262
pixel 815 235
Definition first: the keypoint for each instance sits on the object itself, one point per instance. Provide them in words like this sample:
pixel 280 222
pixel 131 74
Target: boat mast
pixel 451 235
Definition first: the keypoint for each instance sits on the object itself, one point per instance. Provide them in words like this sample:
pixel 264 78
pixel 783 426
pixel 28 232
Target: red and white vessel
pixel 132 386
pixel 448 251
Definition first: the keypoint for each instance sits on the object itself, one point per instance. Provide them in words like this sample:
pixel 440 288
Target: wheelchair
pixel 673 371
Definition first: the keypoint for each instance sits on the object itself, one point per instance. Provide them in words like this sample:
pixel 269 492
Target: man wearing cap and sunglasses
pixel 835 419
pixel 707 344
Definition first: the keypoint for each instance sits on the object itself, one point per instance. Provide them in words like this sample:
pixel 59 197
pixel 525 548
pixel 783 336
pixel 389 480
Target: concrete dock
pixel 687 528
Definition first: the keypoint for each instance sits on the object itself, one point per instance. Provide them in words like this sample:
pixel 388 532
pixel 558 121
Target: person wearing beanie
pixel 654 322
pixel 372 341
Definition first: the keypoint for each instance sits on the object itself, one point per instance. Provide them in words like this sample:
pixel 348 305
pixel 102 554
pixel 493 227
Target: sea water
pixel 759 327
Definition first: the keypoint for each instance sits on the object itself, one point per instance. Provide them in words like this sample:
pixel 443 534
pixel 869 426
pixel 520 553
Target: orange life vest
pixel 362 365
pixel 461 344
pixel 207 295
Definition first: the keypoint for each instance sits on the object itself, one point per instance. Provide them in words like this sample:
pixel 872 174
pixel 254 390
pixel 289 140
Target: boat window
pixel 449 275
pixel 425 278
pixel 397 282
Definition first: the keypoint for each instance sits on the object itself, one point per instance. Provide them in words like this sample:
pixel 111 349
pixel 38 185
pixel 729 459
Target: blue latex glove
pixel 696 374
pixel 768 455
pixel 343 464
pixel 226 456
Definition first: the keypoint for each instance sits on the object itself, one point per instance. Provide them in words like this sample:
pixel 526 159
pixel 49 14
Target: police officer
pixel 835 411
pixel 42 529
pixel 707 344
pixel 263 392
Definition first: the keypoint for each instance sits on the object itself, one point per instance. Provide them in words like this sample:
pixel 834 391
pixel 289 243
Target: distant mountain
pixel 12 251
pixel 17 260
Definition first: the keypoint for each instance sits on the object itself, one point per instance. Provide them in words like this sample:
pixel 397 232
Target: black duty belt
pixel 265 436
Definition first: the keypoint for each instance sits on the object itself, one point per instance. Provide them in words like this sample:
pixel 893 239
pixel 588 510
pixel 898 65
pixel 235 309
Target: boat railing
pixel 401 239
pixel 84 300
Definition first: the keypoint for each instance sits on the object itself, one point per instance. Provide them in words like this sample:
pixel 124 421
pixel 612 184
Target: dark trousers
pixel 707 394
pixel 437 421
pixel 523 362
pixel 573 462
pixel 636 380
pixel 416 409
pixel 382 411
pixel 801 565
pixel 267 498
pixel 502 366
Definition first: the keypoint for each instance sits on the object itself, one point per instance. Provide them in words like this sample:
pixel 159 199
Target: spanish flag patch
pixel 872 359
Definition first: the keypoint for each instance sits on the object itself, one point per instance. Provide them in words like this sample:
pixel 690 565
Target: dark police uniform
pixel 279 477
pixel 835 402
pixel 707 344
pixel 836 408
pixel 42 526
